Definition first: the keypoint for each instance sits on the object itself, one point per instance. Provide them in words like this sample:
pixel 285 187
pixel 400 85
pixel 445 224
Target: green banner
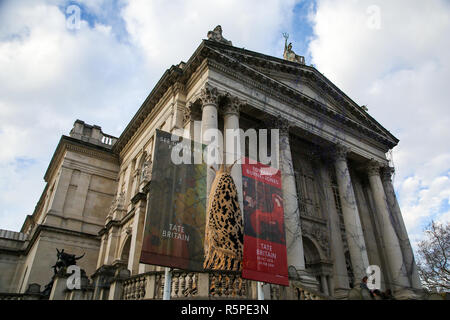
pixel 175 223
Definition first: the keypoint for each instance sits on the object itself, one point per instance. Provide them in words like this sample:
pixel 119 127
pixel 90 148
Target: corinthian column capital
pixel 340 152
pixel 373 168
pixel 209 94
pixel 282 124
pixel 233 105
pixel 386 173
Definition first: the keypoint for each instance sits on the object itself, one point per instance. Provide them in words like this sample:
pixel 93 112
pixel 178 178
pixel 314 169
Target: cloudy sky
pixel 392 56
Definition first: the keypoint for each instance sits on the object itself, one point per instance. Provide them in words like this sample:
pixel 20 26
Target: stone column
pixel 294 241
pixel 370 227
pixel 233 148
pixel 400 229
pixel 389 238
pixel 340 278
pixel 209 98
pixel 101 252
pixel 352 223
pixel 111 244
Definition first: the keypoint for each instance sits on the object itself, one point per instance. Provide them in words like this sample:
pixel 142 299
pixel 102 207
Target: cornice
pixel 71 144
pixel 40 228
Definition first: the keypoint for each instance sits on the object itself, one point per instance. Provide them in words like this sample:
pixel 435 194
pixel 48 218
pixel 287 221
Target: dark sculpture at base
pixel 63 261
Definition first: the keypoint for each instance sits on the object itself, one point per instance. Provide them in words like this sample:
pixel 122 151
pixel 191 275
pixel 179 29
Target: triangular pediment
pixel 291 81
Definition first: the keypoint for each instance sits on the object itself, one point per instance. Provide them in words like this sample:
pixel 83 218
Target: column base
pixel 341 293
pixel 407 294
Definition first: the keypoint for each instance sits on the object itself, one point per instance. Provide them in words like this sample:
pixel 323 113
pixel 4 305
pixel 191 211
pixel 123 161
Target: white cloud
pixel 169 32
pixel 100 73
pixel 50 77
pixel 401 71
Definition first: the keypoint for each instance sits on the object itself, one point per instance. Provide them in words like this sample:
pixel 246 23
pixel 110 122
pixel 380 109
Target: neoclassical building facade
pixel 341 212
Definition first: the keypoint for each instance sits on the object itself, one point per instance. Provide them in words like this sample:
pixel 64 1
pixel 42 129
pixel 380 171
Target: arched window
pixel 124 255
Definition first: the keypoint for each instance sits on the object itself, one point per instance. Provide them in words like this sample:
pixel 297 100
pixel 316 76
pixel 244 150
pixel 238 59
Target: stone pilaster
pixel 400 229
pixel 192 117
pixel 179 102
pixel 390 241
pixel 294 241
pixel 111 244
pixel 352 222
pixel 139 201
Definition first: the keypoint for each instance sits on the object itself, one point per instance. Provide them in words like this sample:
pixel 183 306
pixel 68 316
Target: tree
pixel 434 252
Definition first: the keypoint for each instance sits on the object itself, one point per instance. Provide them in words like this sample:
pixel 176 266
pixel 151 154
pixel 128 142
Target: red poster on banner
pixel 265 257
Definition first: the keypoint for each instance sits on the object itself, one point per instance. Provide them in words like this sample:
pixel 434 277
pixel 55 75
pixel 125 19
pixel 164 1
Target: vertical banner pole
pixel 167 283
pixel 260 291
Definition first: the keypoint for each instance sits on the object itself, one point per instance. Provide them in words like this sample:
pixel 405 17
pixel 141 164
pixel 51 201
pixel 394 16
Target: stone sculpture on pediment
pixel 216 35
pixel 289 54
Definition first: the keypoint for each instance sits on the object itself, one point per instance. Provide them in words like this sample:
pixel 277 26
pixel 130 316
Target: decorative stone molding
pixel 373 168
pixel 117 203
pixel 136 173
pixel 178 87
pixel 209 95
pixel 318 233
pixel 146 174
pixel 190 113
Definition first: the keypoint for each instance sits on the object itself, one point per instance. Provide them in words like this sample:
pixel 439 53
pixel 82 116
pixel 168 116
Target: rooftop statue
pixel 216 35
pixel 289 54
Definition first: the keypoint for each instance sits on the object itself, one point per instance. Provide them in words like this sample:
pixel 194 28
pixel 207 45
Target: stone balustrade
pixel 305 294
pixel 185 285
pixel 134 287
pixel 108 139
pixel 228 285
pixel 200 285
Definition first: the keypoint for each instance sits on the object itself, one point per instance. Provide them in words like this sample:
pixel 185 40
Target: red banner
pixel 265 257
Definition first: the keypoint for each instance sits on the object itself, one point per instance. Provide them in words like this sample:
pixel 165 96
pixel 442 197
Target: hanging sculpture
pixel 224 228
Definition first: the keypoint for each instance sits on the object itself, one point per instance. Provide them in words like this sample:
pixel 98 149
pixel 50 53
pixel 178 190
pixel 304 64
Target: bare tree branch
pixel 433 257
